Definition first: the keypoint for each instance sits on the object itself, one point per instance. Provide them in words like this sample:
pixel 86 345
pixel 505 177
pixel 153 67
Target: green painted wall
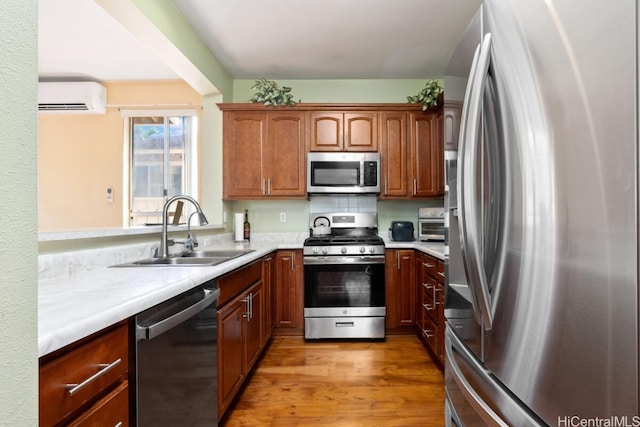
pixel 345 91
pixel 18 188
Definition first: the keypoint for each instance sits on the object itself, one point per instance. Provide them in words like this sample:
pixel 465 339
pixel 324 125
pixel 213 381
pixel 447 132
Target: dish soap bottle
pixel 247 226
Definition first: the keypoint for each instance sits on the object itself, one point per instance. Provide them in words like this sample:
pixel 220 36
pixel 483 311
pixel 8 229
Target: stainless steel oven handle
pixel 158 328
pixel 336 260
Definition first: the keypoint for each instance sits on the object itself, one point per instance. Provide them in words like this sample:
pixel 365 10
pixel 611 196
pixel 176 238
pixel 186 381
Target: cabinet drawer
pixel 430 334
pixel 429 301
pixel 441 271
pixel 236 282
pixel 81 375
pixel 111 410
pixel 430 266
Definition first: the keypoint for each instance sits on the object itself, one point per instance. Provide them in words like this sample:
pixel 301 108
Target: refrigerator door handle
pixel 467 194
pixel 489 416
pixel 462 151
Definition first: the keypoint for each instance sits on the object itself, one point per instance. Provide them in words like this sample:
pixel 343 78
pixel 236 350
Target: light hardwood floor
pixel 342 383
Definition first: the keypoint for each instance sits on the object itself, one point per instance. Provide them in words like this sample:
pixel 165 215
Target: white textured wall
pixel 18 213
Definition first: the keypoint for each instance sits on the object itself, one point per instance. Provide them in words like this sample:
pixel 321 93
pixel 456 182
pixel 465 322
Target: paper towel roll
pixel 239 227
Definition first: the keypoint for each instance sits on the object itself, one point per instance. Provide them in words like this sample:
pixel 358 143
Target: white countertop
pixel 75 306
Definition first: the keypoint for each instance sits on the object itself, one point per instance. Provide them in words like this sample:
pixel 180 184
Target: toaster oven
pixel 431 224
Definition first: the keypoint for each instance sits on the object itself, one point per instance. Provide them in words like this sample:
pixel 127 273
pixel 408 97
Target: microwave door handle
pixel 361 173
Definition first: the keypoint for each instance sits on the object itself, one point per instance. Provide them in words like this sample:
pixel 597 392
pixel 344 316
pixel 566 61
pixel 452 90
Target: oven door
pixel 344 297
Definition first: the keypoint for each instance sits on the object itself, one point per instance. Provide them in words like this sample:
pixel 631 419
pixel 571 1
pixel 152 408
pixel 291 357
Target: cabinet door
pixel 326 131
pixel 268 283
pixel 285 155
pixel 400 277
pixel 360 131
pixel 230 351
pixel 254 324
pixel 427 154
pixel 394 154
pixel 406 288
pixel 244 135
pixel 289 290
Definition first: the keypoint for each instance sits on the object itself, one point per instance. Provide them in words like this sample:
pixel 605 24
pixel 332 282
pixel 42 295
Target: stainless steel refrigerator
pixel 541 249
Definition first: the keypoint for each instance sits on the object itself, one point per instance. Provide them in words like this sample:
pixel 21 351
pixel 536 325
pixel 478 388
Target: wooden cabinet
pixel 264 154
pixel 289 298
pixel 265 147
pixel 400 294
pixel 268 285
pixel 394 154
pixel 430 319
pixel 340 131
pixel 241 325
pixel 87 383
pixel 412 154
pixel 426 139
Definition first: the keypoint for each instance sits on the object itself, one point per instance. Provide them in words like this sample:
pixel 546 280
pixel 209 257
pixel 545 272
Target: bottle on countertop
pixel 247 226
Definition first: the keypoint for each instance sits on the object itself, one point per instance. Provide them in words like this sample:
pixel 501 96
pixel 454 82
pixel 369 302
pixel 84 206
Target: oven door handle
pixel 335 260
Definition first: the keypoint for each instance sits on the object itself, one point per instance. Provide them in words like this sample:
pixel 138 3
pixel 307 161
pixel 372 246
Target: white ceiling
pixel 276 39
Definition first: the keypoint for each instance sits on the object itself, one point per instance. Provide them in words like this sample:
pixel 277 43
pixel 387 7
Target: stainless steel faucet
pixel 165 243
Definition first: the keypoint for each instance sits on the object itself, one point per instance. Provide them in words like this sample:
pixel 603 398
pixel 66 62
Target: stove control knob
pixel 316 250
pixel 343 250
pixel 372 249
pixel 325 250
pixel 362 249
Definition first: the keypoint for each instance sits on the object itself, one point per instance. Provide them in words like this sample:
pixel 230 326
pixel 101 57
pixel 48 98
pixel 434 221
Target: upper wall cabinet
pixel 265 147
pixel 338 131
pixel 412 154
pixel 264 154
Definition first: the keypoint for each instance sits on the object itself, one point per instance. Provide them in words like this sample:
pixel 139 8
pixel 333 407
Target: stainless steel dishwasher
pixel 177 361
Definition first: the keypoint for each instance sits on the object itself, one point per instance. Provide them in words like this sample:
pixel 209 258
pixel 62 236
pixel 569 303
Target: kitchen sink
pixel 190 259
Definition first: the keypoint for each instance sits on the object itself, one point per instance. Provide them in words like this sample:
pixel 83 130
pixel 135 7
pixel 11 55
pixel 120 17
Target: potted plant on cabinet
pixel 428 96
pixel 269 92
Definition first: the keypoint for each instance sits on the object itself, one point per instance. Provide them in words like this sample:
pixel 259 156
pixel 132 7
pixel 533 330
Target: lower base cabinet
pixel 289 293
pixel 400 294
pixel 430 319
pixel 86 384
pixel 241 339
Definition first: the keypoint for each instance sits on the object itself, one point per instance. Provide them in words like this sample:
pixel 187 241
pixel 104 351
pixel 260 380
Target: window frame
pixel 190 178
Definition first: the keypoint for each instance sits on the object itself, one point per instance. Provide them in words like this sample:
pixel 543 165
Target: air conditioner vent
pixel 63 107
pixel 72 98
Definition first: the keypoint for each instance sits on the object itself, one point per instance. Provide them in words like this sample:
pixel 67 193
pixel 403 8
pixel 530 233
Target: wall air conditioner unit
pixel 72 97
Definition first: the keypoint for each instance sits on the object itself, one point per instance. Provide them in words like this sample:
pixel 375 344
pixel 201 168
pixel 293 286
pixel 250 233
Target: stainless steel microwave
pixel 343 173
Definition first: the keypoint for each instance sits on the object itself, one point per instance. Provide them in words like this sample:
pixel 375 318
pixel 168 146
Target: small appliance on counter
pixel 401 231
pixel 431 224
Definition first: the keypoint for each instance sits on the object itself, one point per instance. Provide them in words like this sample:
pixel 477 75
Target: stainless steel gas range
pixel 344 289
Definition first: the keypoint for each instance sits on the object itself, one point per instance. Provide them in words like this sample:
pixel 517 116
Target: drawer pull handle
pixel 119 424
pixel 345 324
pixel 428 265
pixel 74 388
pixel 440 273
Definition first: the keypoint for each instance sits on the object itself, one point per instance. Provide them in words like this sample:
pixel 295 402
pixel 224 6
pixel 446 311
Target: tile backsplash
pixel 339 203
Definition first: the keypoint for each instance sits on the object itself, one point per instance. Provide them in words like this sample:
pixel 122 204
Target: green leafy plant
pixel 428 96
pixel 268 92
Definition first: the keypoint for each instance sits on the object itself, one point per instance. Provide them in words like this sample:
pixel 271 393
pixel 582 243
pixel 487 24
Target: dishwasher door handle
pixel 158 328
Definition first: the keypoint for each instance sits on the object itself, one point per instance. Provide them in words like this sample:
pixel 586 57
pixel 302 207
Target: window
pixel 162 150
